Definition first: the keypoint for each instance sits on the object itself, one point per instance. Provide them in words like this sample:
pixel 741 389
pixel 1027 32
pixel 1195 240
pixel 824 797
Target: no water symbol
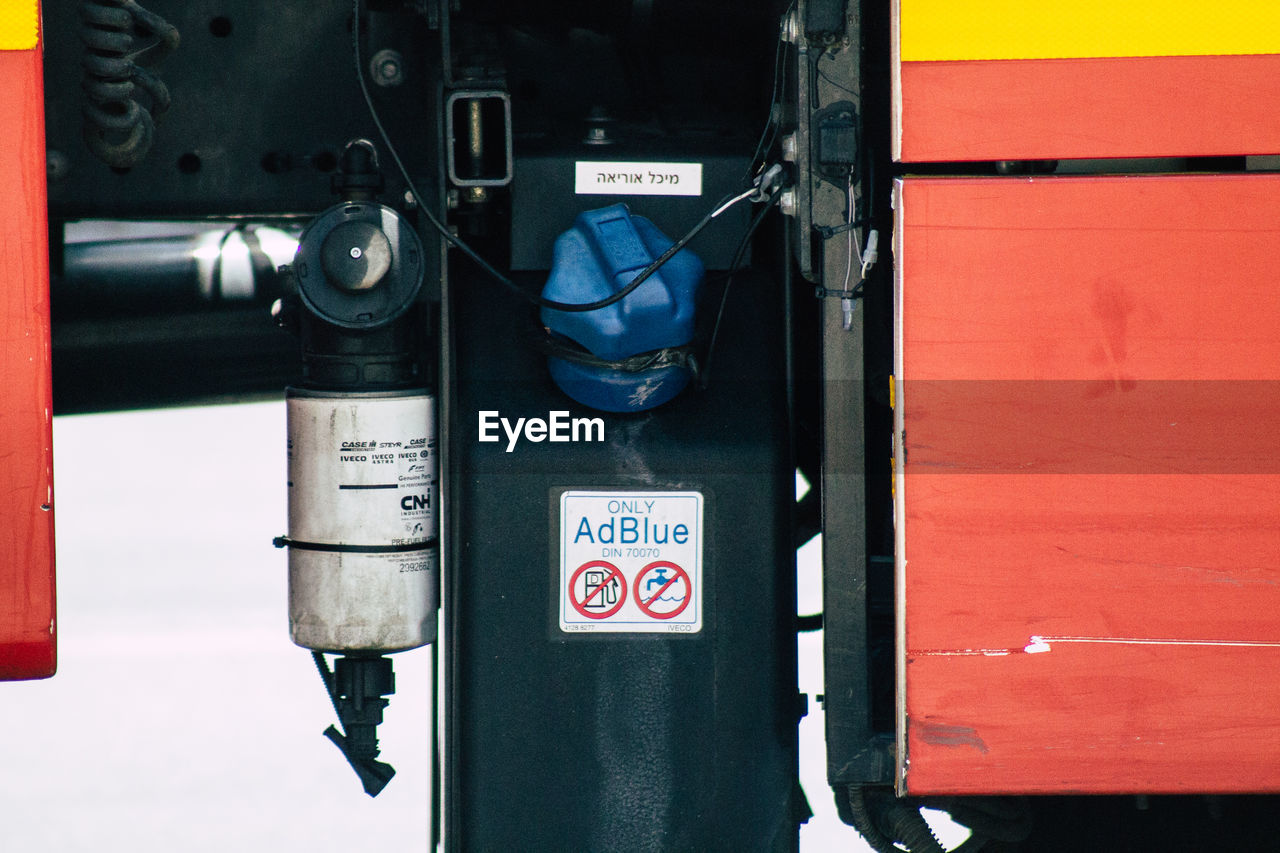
pixel 597 589
pixel 663 590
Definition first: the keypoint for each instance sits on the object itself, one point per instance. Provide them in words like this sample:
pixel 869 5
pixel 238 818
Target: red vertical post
pixel 27 627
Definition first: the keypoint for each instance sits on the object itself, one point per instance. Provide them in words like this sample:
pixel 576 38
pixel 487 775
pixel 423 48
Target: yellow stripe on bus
pixel 933 30
pixel 19 24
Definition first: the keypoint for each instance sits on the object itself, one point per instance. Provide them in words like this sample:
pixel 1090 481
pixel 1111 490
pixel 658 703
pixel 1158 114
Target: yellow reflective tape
pixel 19 24
pixel 933 30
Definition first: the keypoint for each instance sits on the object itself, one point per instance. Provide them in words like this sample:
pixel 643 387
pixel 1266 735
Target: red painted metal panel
pixel 1089 484
pixel 27 631
pixel 1051 109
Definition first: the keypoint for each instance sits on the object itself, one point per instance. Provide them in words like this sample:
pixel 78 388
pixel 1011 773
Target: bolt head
pixel 789 148
pixel 57 165
pixel 387 67
pixel 598 136
pixel 787 203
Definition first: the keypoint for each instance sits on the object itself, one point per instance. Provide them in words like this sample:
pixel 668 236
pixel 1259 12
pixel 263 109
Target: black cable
pixel 829 53
pixel 775 95
pixel 453 240
pixel 826 232
pixel 864 821
pixel 734 267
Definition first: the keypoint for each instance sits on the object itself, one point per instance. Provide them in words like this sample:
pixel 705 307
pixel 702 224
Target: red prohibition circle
pixel 680 574
pixel 581 606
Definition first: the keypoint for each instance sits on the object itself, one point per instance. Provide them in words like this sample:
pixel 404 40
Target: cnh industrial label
pixel 630 562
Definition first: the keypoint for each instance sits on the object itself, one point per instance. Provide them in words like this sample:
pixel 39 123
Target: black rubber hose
pixel 1005 819
pixel 166 34
pixel 909 827
pixel 117 128
pixel 890 825
pixel 864 824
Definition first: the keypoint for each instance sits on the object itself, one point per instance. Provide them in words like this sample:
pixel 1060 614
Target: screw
pixel 387 67
pixel 787 203
pixel 57 165
pixel 356 253
pixel 598 121
pixel 789 148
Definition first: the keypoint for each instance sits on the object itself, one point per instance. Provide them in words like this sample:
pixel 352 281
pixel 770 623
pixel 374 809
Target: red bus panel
pixel 1088 484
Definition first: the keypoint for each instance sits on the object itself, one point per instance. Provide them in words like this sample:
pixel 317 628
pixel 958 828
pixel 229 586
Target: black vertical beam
pixel 828 71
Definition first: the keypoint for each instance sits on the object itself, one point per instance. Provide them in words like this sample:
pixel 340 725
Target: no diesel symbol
pixel 598 589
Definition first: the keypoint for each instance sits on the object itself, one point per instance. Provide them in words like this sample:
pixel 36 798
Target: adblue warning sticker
pixel 630 562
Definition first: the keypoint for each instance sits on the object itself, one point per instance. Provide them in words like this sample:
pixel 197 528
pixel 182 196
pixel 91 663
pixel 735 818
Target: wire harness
pixel 120 37
pixel 764 188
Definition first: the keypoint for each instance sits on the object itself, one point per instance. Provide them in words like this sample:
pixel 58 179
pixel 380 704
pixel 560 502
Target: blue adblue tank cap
pixel 603 251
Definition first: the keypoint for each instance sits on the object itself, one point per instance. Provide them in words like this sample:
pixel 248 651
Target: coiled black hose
pixel 119 38
pixel 885 821
pixel 862 818
pixel 907 825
